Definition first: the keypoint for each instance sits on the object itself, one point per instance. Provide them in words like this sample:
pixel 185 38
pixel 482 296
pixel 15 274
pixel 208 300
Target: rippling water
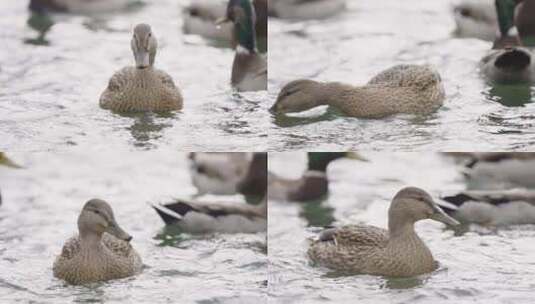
pixel 372 36
pixel 487 267
pixel 40 207
pixel 49 92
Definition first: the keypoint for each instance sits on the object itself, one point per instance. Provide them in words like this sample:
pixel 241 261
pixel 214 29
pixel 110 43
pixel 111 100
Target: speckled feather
pixel 137 90
pixel 113 260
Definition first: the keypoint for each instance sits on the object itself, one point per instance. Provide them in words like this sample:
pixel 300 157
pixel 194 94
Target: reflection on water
pixel 511 95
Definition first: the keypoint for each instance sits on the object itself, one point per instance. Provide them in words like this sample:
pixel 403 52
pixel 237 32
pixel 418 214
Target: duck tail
pixel 166 212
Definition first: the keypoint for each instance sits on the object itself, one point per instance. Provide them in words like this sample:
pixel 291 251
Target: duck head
pixel 96 218
pixel 144 46
pixel 298 96
pixel 412 204
pixel 242 14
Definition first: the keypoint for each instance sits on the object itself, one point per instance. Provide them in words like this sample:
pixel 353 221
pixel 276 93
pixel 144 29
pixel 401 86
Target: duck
pixel 476 19
pixel 5 161
pixel 394 252
pixel 493 207
pixel 313 183
pixel 78 6
pixel 517 14
pixel 100 252
pixel 201 18
pixel 491 170
pixel 142 88
pixel 510 65
pixel 229 173
pixel 306 9
pixel 249 68
pixel 207 217
pixel 409 89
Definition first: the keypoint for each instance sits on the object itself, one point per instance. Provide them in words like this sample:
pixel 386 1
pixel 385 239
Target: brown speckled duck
pixel 410 89
pixel 100 252
pixel 142 88
pixel 396 252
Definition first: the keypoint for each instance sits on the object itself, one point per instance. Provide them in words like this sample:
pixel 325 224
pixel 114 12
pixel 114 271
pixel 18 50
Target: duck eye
pixel 150 34
pixel 96 211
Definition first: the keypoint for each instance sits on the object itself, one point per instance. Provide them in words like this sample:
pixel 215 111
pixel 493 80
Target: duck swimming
pixel 100 252
pixel 142 88
pixel 78 6
pixel 249 69
pixel 410 89
pixel 493 207
pixel 313 184
pixel 396 252
pixel 201 16
pixel 305 9
pixel 197 217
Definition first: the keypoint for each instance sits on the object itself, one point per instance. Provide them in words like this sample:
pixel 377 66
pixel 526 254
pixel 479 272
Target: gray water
pixel 372 36
pixel 49 88
pixel 479 266
pixel 41 204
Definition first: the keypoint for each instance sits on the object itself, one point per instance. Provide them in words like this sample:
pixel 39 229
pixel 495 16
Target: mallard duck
pixel 249 69
pixel 313 184
pixel 143 87
pixel 510 65
pixel 201 16
pixel 476 19
pixel 493 207
pixel 411 89
pixel 197 217
pixel 305 9
pixel 5 161
pixel 101 251
pixel 396 252
pixel 229 173
pixel 499 168
pixel 78 6
pixel 516 14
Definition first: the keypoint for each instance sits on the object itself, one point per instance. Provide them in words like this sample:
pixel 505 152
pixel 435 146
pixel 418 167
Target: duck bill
pixel 442 217
pixel 222 21
pixel 356 156
pixel 142 59
pixel 115 230
pixel 9 163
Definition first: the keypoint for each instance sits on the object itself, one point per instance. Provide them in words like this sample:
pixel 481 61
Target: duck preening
pixel 493 207
pixel 313 183
pixel 306 9
pixel 203 217
pixel 396 252
pixel 229 173
pixel 142 88
pixel 100 252
pixel 411 89
pixel 249 69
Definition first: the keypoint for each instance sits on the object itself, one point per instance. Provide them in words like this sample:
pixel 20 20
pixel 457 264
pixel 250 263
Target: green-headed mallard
pixel 101 251
pixel 396 252
pixel 78 6
pixel 312 185
pixel 202 217
pixel 410 89
pixel 143 87
pixel 249 69
pixel 305 9
pixel 201 16
pixel 493 207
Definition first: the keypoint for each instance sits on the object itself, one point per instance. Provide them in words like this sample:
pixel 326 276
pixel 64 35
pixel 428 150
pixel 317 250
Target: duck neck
pixel 90 241
pixel 244 31
pixel 403 238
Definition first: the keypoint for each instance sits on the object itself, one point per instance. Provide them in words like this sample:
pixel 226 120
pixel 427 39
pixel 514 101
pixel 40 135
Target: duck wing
pixel 355 235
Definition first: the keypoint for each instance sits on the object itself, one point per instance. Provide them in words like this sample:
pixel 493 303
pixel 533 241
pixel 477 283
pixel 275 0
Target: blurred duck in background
pixel 79 6
pixel 313 184
pixel 305 9
pixel 201 18
pixel 476 19
pixel 5 161
pixel 493 207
